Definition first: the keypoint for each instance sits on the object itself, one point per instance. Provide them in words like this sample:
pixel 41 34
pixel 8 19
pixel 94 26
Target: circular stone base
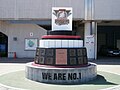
pixel 61 75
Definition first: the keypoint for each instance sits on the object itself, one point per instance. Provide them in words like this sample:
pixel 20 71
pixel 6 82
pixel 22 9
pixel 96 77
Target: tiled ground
pixel 10 65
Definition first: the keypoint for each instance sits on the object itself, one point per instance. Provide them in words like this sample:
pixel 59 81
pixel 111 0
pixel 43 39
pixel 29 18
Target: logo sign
pixel 61 18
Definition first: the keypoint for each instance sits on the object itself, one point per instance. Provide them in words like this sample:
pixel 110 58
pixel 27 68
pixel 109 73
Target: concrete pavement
pixel 10 65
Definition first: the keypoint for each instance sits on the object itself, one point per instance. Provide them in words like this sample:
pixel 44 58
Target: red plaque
pixel 61 56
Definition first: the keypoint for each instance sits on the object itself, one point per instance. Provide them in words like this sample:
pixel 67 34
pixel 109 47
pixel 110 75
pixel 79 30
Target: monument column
pixel 90 39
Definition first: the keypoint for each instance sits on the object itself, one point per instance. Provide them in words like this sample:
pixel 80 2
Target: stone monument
pixel 61 57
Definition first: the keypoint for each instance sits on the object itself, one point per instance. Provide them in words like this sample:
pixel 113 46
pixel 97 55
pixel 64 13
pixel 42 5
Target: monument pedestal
pixel 61 75
pixel 61 59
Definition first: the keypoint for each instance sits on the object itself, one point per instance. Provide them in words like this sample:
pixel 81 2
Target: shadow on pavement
pixel 100 80
pixel 107 61
pixel 17 60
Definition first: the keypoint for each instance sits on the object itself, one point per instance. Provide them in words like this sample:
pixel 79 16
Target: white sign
pixel 90 39
pixel 89 44
pixel 61 18
pixel 30 44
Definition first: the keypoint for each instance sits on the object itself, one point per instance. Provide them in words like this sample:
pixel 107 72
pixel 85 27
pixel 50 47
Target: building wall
pixel 21 31
pixel 106 9
pixel 88 10
pixel 37 9
pixel 41 9
pixel 3 28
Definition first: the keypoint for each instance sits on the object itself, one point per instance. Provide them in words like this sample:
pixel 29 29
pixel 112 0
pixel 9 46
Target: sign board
pixel 89 44
pixel 61 56
pixel 61 18
pixel 90 39
pixel 30 44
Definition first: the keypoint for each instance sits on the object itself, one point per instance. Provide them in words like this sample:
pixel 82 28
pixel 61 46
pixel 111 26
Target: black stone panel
pixel 49 61
pixel 79 52
pixel 73 61
pixel 37 51
pixel 42 52
pixel 84 52
pixel 50 52
pixel 72 52
pixel 75 56
pixel 41 60
pixel 36 59
pixel 80 60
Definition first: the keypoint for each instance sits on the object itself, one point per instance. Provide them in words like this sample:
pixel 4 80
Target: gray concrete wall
pixel 3 28
pixel 37 9
pixel 107 9
pixel 21 31
pixel 41 9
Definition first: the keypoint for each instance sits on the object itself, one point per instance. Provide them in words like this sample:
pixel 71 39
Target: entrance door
pixel 3 45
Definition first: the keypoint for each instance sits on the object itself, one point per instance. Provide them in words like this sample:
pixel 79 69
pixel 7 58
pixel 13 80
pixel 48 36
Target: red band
pixel 60 37
pixel 39 65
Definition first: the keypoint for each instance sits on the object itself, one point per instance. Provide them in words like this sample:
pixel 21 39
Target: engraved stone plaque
pixel 37 51
pixel 42 52
pixel 49 60
pixel 72 52
pixel 85 60
pixel 41 60
pixel 84 52
pixel 72 61
pixel 79 52
pixel 36 60
pixel 80 60
pixel 50 52
pixel 61 56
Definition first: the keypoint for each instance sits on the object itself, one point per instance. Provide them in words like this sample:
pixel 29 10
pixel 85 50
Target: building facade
pixel 96 21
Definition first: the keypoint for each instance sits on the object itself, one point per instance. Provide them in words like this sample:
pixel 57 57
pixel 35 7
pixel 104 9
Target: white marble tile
pixel 58 43
pixel 71 44
pixel 52 44
pixel 80 43
pixel 76 44
pixel 64 43
pixel 41 43
pixel 46 43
